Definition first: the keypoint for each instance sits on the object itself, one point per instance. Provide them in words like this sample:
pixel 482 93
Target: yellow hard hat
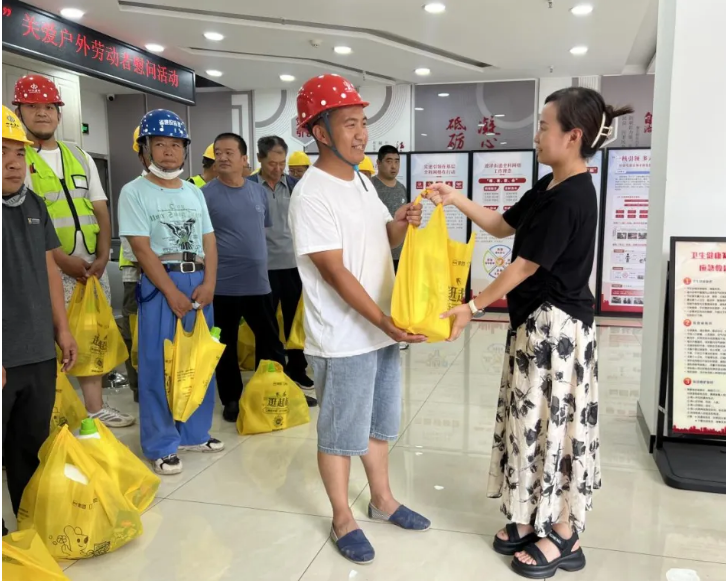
pixel 209 152
pixel 366 165
pixel 136 139
pixel 299 158
pixel 12 129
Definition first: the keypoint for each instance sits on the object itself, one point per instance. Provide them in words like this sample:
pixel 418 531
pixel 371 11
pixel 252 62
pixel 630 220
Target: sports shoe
pixel 115 380
pixel 168 465
pixel 403 346
pixel 112 418
pixel 311 401
pixel 303 381
pixel 231 411
pixel 211 445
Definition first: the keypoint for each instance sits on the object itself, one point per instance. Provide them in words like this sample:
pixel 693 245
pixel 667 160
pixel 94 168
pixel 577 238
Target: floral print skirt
pixel 546 453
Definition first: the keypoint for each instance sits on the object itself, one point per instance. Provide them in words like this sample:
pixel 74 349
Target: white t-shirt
pixel 95 190
pixel 327 213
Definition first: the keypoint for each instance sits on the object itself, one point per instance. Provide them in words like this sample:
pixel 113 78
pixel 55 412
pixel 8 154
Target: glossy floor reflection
pixel 259 511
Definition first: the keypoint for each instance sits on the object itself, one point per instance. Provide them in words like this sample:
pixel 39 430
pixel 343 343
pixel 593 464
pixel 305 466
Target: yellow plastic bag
pixel 74 505
pixel 134 324
pixel 297 333
pixel 431 278
pixel 136 482
pixel 25 558
pixel 189 363
pixel 246 342
pixel 271 401
pixel 100 344
pixel 68 408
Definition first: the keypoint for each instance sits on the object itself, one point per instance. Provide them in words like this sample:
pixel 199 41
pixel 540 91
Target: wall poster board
pixel 697 361
pixel 624 222
pixel 450 168
pixel 500 179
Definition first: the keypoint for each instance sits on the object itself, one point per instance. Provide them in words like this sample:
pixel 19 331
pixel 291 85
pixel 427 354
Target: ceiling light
pixel 422 72
pixel 215 36
pixel 503 143
pixel 213 73
pixel 287 78
pixel 578 50
pixel 581 10
pixel 343 50
pixel 72 13
pixel 154 47
pixel 418 108
pixel 424 135
pixel 435 7
pixel 490 133
pixel 500 115
pixel 443 94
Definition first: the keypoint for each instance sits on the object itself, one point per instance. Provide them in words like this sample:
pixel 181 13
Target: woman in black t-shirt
pixel 545 460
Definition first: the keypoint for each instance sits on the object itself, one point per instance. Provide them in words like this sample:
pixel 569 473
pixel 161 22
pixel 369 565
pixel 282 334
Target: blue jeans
pixel 359 398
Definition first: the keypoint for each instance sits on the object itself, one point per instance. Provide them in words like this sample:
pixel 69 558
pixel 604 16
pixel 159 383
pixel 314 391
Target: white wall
pixel 93 112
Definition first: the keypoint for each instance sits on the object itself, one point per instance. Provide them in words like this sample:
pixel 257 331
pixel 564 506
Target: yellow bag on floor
pixel 246 342
pixel 74 505
pixel 189 363
pixel 271 401
pixel 134 324
pixel 100 345
pixel 133 477
pixel 25 558
pixel 431 277
pixel 68 408
pixel 297 333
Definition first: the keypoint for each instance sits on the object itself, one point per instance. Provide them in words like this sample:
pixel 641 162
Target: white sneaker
pixel 403 346
pixel 112 418
pixel 212 445
pixel 167 465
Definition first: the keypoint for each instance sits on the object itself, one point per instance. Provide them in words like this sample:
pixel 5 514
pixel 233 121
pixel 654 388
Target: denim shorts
pixel 359 398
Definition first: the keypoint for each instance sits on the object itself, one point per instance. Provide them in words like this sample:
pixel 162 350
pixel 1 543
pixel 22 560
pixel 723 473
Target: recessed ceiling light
pixel 422 72
pixel 500 115
pixel 214 73
pixel 490 133
pixel 424 135
pixel 435 7
pixel 578 50
pixel 72 13
pixel 582 10
pixel 343 50
pixel 154 47
pixel 503 143
pixel 443 94
pixel 215 36
pixel 418 108
pixel 287 78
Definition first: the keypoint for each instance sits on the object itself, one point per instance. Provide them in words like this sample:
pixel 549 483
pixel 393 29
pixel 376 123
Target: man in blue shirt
pixel 240 213
pixel 166 222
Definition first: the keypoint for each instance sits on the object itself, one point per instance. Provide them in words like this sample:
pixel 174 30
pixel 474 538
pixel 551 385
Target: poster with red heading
pixel 625 231
pixel 698 349
pixel 594 166
pixel 450 168
pixel 501 178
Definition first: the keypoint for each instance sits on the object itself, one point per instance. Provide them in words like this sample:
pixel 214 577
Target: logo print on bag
pixel 278 421
pixel 73 542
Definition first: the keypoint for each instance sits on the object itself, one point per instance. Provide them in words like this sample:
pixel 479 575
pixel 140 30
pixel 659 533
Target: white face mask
pixel 164 174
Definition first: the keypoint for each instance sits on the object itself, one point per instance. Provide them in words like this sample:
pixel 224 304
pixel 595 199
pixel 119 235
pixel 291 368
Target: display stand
pixel 692 458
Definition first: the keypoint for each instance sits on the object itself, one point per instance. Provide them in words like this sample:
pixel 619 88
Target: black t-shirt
pixel 555 229
pixel 28 232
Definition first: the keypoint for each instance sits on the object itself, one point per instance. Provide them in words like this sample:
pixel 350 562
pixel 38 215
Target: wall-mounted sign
pixel 698 334
pixel 44 36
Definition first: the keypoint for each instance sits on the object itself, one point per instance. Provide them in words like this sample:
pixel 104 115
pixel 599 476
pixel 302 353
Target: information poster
pixel 594 166
pixel 501 178
pixel 698 364
pixel 450 168
pixel 625 231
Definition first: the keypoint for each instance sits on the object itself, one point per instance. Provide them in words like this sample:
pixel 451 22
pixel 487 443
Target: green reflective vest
pixel 68 205
pixel 197 181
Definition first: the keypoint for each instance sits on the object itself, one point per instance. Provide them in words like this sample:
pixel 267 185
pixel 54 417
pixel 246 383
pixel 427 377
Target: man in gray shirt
pixel 284 278
pixel 391 192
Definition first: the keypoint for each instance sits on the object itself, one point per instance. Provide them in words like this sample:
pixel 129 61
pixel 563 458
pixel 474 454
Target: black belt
pixel 185 267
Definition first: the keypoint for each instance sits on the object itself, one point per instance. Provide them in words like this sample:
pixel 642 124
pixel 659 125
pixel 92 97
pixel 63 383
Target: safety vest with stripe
pixel 68 205
pixel 197 181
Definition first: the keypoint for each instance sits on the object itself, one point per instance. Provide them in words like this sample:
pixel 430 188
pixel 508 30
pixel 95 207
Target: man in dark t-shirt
pixel 34 316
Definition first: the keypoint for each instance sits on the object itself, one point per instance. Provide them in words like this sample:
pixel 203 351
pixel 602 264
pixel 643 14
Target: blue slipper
pixel 354 546
pixel 403 517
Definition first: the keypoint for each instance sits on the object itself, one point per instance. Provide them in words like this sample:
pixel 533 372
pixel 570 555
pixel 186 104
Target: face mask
pixel 164 174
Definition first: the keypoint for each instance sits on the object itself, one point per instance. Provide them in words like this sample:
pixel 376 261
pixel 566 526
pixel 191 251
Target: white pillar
pixel 547 86
pixel 687 191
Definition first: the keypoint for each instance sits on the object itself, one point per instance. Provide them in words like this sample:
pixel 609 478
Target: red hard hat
pixel 36 89
pixel 325 93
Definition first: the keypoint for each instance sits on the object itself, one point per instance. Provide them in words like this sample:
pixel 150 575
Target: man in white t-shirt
pixel 67 179
pixel 343 235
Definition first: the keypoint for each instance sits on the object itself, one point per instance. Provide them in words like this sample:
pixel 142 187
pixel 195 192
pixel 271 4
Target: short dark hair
pixel 237 138
pixel 207 162
pixel 266 144
pixel 387 150
pixel 583 108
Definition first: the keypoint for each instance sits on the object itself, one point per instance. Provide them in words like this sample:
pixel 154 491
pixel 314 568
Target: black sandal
pixel 568 560
pixel 514 542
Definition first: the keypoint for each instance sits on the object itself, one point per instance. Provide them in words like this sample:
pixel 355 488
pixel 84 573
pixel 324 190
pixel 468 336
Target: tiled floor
pixel 259 511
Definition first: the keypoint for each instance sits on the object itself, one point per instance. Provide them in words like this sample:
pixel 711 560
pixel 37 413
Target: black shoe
pixel 303 381
pixel 231 411
pixel 312 402
pixel 136 394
